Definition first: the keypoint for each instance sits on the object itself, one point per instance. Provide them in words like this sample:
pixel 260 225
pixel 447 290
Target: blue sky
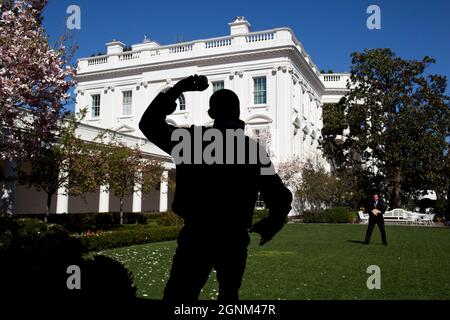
pixel 329 30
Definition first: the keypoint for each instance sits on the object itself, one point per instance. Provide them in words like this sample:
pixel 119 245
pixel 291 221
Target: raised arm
pixel 153 122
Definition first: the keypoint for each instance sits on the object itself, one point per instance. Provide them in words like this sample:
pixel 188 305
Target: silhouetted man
pixel 376 209
pixel 215 192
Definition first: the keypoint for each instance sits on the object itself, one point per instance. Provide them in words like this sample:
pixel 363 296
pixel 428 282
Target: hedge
pixel 80 222
pixel 129 235
pixel 34 259
pixel 169 219
pixel 333 215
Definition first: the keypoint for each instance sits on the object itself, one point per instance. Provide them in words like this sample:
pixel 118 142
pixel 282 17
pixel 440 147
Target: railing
pixel 95 61
pixel 283 36
pixel 218 43
pixel 182 48
pixel 129 56
pixel 332 78
pixel 260 37
pixel 335 80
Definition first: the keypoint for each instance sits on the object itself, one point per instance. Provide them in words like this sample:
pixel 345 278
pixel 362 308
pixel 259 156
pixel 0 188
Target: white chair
pixel 428 219
pixel 364 217
pixel 432 219
pixel 412 217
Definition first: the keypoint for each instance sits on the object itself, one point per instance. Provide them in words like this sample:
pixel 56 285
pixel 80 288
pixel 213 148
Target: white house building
pixel 280 89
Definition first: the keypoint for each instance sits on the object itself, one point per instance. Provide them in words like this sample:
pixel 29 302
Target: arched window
pixel 182 103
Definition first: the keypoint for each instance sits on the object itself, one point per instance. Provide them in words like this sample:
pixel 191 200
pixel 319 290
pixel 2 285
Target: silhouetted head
pixel 224 105
pixel 375 196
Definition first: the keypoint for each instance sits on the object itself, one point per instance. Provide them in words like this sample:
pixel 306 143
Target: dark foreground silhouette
pixel 216 200
pixel 35 257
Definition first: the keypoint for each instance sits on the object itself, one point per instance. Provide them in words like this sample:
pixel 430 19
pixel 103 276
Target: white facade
pixel 116 88
pixel 295 89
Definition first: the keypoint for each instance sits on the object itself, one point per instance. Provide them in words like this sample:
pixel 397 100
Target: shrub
pixel 80 222
pixel 105 279
pixel 134 218
pixel 34 256
pixel 333 215
pixel 129 235
pixel 170 219
pixel 152 215
pixel 342 215
pixel 316 216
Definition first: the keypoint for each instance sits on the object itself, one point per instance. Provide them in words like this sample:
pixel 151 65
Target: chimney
pixel 114 47
pixel 239 26
pixel 146 44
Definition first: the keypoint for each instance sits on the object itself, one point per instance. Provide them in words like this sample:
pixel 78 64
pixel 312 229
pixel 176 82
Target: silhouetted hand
pixel 192 83
pixel 266 228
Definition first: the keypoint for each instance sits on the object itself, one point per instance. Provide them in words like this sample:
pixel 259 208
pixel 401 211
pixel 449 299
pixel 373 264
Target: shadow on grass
pixel 363 243
pixel 356 241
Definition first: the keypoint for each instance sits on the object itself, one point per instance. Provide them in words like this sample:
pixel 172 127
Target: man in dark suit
pixel 376 209
pixel 216 199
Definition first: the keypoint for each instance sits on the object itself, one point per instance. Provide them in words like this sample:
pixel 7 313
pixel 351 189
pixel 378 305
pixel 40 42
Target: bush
pixel 316 216
pixel 333 215
pixel 105 279
pixel 152 215
pixel 34 257
pixel 80 222
pixel 170 219
pixel 342 215
pixel 134 218
pixel 130 235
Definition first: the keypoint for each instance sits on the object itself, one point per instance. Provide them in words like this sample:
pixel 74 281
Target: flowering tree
pixel 290 172
pixel 34 81
pixel 315 187
pixel 71 163
pixel 125 169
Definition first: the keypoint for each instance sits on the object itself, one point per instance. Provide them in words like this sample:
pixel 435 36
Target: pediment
pixel 124 129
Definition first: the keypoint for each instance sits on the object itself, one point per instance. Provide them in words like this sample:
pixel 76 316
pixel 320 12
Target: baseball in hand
pixel 193 83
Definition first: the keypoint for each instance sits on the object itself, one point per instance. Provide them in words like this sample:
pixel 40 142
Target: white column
pixel 163 198
pixel 62 200
pixel 8 196
pixel 62 197
pixel 137 198
pixel 103 200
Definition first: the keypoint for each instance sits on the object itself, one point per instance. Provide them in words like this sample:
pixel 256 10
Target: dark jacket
pixel 216 194
pixel 381 206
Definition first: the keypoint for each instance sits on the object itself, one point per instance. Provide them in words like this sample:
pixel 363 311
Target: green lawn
pixel 318 261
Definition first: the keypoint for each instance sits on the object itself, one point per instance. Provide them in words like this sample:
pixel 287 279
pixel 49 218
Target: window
pixel 259 90
pixel 126 102
pixel 182 103
pixel 217 85
pixel 95 107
